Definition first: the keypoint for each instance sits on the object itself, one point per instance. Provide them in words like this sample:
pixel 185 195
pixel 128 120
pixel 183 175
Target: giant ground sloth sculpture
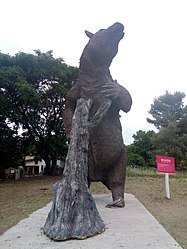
pixel 107 157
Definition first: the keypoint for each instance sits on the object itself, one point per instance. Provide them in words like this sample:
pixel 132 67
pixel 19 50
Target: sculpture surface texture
pixel 73 214
pixel 107 158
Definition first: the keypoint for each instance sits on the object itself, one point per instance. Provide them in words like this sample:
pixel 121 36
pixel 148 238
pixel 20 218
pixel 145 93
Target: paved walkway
pixel 132 227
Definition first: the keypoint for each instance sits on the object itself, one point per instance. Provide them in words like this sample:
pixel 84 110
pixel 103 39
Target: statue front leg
pixel 117 196
pixel 116 182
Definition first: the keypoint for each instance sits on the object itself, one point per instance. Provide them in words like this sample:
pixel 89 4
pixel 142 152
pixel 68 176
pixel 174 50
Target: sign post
pixel 166 165
pixel 167 186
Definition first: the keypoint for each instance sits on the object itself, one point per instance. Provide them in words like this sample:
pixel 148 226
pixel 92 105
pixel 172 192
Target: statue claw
pixel 117 203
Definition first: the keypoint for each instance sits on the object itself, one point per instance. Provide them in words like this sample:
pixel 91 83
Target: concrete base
pixel 132 227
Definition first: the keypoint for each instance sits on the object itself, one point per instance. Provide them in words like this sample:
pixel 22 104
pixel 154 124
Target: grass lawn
pixel 21 197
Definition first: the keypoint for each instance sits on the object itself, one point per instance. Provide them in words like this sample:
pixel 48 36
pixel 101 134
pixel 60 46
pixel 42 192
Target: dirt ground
pixel 20 198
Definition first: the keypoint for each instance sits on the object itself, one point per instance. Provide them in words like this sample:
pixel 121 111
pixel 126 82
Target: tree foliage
pixel 33 89
pixel 166 109
pixel 11 150
pixel 142 151
pixel 170 118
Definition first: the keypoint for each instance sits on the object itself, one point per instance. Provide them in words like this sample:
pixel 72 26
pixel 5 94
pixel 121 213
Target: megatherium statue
pixel 107 157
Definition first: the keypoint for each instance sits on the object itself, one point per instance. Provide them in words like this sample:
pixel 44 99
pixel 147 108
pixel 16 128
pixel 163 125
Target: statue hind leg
pixel 116 181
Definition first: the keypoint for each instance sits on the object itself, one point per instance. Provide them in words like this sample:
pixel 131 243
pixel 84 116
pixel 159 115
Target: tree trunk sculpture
pixel 74 213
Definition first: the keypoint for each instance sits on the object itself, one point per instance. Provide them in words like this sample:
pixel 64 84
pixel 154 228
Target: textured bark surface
pixel 74 213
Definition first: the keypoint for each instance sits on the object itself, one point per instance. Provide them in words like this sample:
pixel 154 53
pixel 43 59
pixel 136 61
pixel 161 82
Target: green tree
pixel 10 149
pixel 35 87
pixel 169 142
pixel 10 143
pixel 182 124
pixel 166 109
pixel 170 118
pixel 142 150
pixel 134 159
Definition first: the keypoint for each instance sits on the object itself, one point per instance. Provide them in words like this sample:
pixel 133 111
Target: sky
pixel 152 56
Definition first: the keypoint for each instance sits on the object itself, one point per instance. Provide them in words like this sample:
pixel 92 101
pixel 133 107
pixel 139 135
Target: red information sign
pixel 165 164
